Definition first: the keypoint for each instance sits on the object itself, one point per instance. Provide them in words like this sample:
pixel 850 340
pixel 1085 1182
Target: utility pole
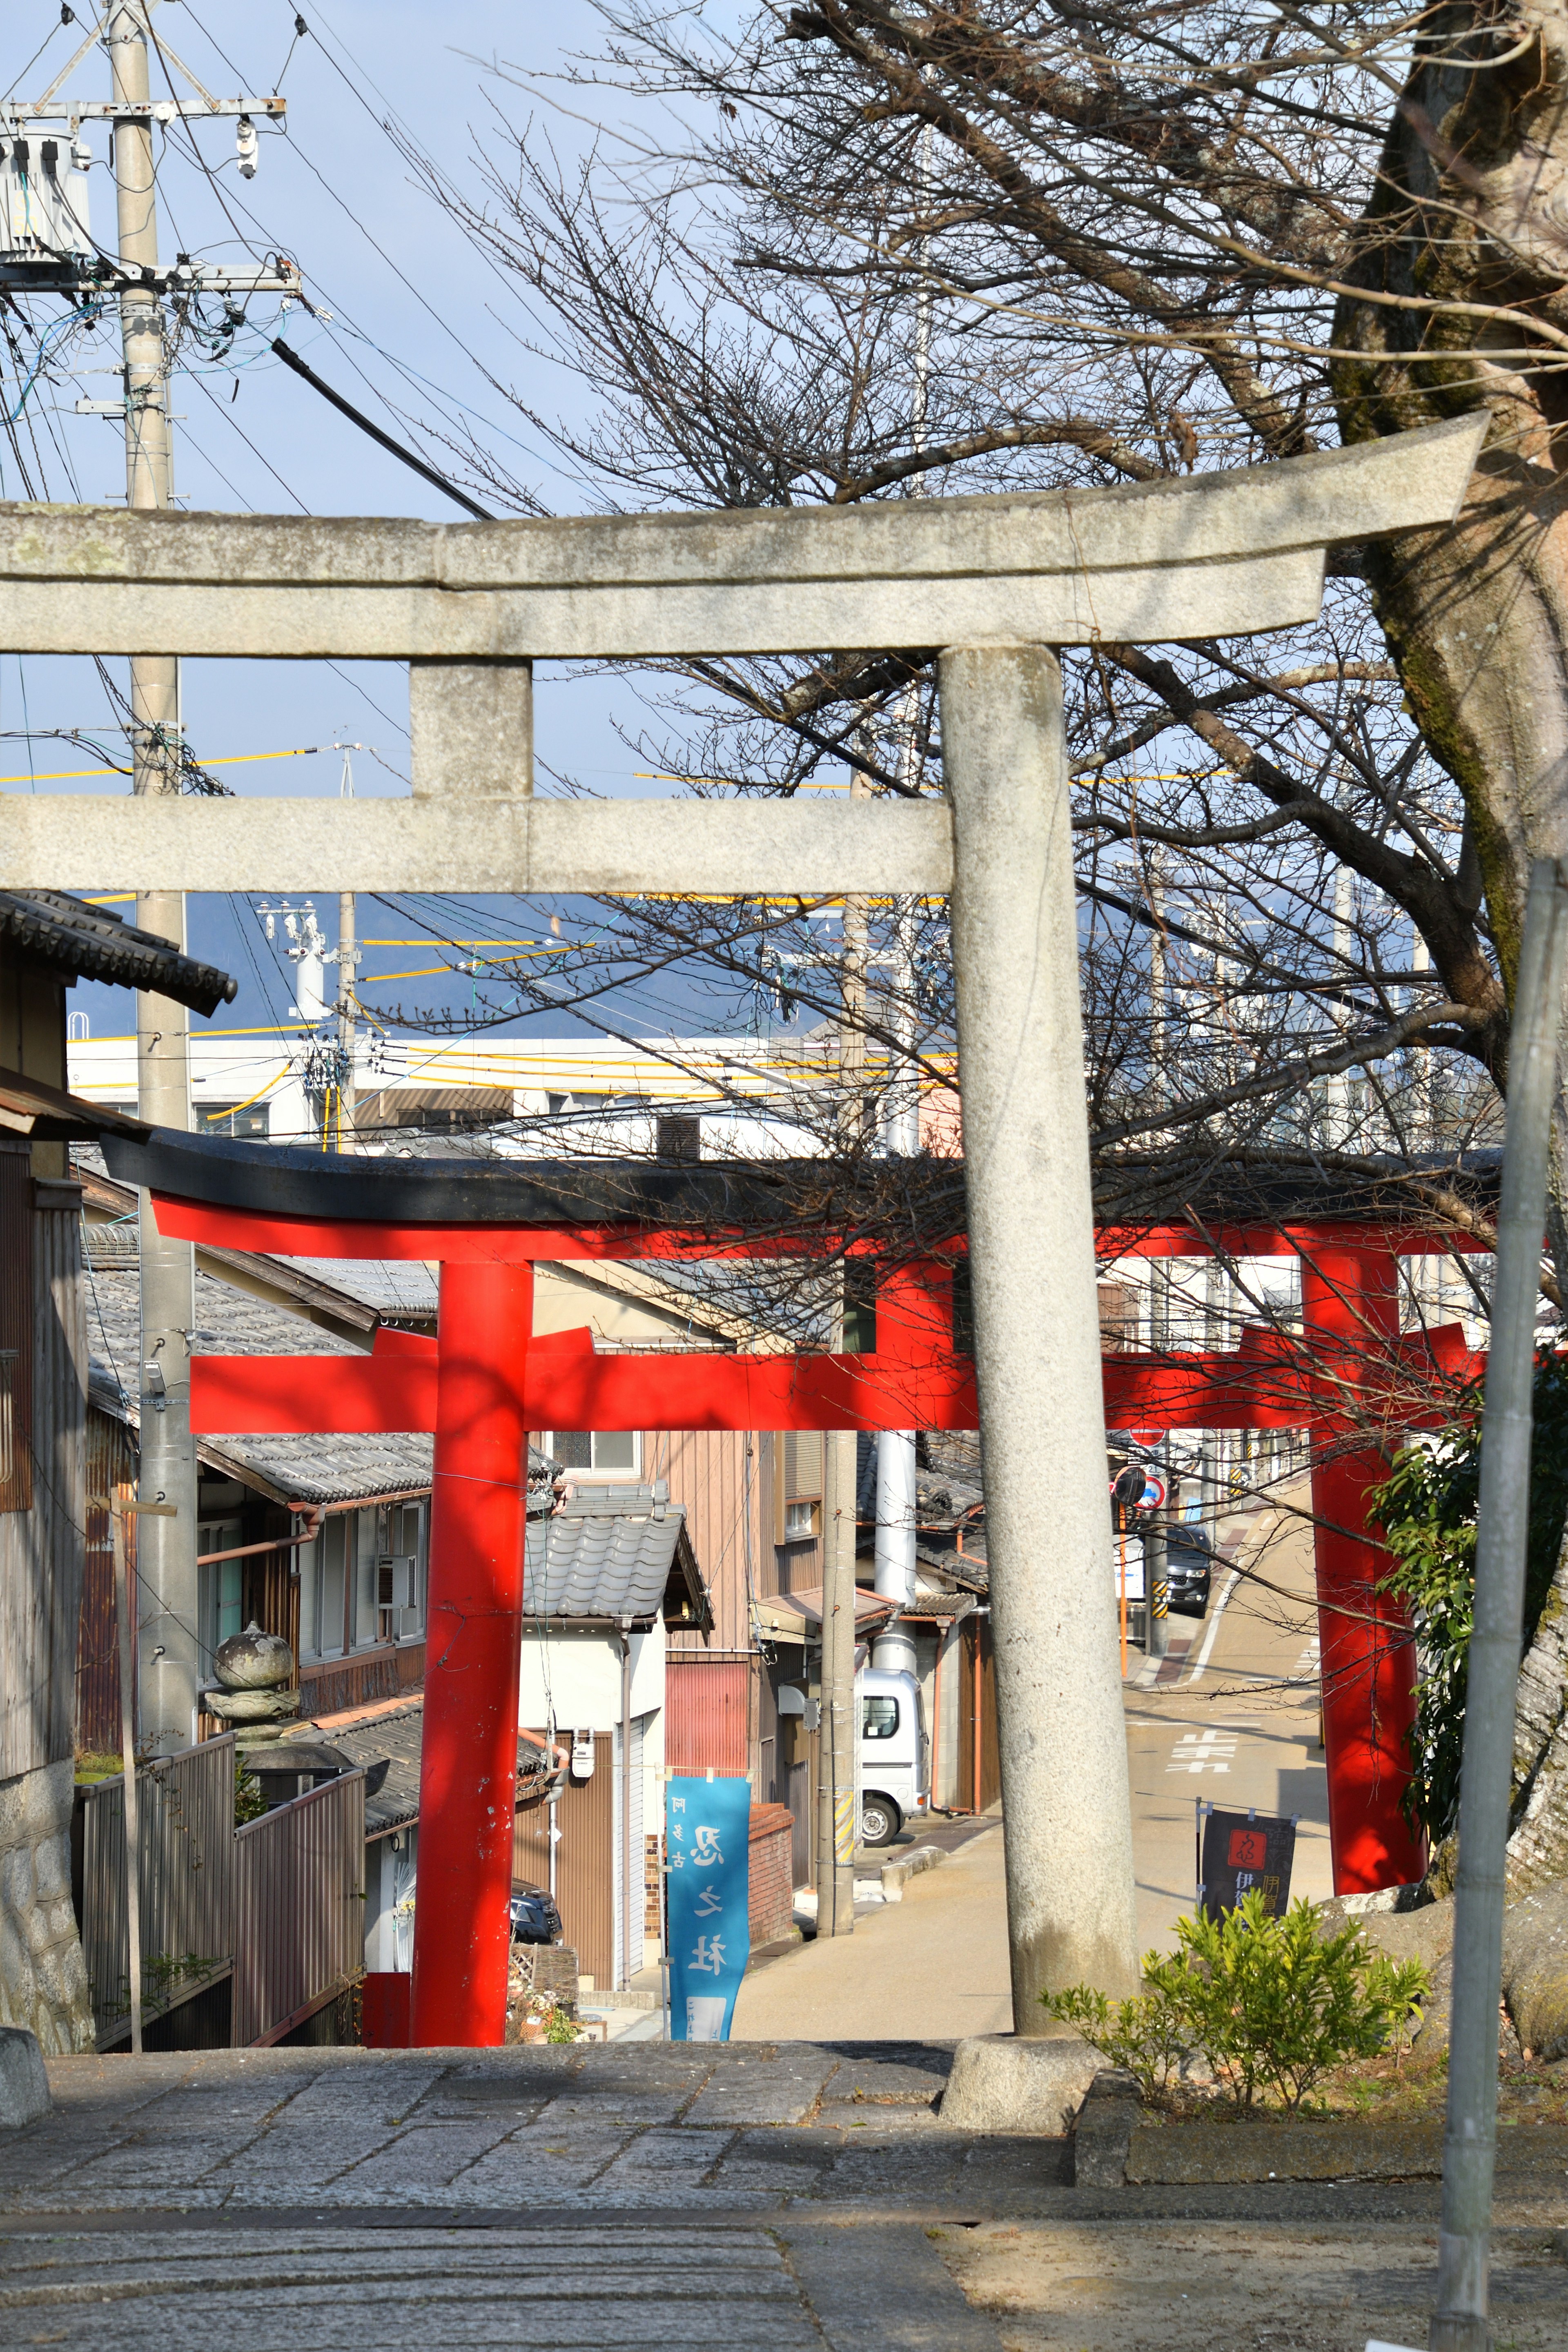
pixel 170 1663
pixel 66 261
pixel 896 1493
pixel 348 961
pixel 837 1827
pixel 897 1487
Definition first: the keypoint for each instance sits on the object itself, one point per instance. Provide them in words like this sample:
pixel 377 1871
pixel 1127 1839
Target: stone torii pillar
pixel 996 580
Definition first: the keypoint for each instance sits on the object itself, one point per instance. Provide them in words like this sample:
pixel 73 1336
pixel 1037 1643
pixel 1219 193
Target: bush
pixel 1144 2035
pixel 1269 2003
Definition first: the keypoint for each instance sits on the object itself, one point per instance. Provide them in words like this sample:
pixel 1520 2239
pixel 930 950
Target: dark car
pixel 1189 1562
pixel 534 1918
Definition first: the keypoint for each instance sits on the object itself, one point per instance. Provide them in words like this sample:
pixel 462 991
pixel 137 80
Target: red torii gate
pixel 486 1380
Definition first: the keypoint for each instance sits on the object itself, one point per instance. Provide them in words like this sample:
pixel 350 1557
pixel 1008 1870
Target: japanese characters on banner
pixel 707 1833
pixel 1247 1853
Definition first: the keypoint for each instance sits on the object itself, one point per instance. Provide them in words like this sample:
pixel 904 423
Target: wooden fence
pixel 278 1905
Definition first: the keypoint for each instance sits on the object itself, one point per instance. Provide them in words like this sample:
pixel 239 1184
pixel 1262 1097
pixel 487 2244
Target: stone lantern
pixel 252 1669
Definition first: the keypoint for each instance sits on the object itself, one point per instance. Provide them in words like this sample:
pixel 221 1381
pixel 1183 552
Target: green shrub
pixel 1271 2004
pixel 249 1804
pixel 1142 2034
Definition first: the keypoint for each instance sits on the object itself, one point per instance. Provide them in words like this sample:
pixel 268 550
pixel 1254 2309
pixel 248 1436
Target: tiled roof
pixel 605 1558
pixel 95 943
pixel 365 1736
pixel 305 1468
pixel 399 1289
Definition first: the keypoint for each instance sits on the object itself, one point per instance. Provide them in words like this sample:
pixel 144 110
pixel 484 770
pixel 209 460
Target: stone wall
pixel 43 1976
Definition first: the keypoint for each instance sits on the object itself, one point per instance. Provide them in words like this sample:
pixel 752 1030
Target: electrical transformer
pixel 43 203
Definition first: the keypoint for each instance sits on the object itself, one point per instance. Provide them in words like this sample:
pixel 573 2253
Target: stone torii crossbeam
pixel 994 582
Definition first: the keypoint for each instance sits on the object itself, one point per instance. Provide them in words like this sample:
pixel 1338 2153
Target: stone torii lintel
pixel 471 605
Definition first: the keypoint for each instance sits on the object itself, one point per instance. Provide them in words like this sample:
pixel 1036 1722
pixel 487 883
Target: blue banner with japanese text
pixel 706 1832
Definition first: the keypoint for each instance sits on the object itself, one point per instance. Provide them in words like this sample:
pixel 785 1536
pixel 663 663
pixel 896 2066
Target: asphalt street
pixel 1232 1718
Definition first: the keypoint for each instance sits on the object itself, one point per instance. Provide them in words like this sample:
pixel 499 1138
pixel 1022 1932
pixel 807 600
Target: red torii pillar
pixel 1349 1310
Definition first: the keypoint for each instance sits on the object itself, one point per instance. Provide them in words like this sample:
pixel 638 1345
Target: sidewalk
pixel 931 1967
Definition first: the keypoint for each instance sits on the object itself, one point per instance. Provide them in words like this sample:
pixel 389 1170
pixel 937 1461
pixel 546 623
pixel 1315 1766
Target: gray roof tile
pixel 305 1468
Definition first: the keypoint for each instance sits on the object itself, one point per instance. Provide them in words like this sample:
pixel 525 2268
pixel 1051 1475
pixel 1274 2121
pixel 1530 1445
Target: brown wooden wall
pixel 41 1552
pixel 978 1683
pixel 585 1861
pixel 713 1475
pixel 111 1476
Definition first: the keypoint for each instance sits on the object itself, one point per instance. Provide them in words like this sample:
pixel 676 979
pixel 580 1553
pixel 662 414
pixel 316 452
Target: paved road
pixel 1233 1719
pixel 932 1966
pixel 762 2197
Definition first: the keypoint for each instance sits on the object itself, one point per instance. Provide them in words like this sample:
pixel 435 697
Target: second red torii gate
pixel 486 1380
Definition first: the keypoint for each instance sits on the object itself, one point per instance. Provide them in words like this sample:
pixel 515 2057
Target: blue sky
pixel 417 317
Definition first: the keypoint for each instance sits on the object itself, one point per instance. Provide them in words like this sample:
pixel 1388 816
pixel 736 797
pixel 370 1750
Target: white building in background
pixel 594 1095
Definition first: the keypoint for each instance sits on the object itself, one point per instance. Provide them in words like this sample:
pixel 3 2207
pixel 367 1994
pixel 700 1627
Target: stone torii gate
pixel 995 582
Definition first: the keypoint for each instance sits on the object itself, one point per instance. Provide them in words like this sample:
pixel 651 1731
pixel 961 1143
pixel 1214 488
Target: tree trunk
pixel 1472 207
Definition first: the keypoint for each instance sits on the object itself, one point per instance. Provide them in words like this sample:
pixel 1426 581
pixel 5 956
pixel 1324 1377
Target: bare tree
pixel 879 251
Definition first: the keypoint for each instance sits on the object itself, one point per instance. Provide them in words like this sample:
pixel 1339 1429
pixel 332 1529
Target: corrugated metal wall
pixel 706 1715
pixel 714 1477
pixel 41 1547
pixel 110 1472
pixel 585 1861
pixel 298 1909
pixel 17 1279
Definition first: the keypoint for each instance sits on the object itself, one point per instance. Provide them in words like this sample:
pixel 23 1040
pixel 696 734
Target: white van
pixel 892 1754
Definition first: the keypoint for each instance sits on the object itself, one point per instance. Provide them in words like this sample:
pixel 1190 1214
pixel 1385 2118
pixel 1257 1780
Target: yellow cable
pixel 233 759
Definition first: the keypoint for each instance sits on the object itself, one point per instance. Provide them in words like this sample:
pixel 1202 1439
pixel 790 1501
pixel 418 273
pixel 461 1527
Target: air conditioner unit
pixel 395 1586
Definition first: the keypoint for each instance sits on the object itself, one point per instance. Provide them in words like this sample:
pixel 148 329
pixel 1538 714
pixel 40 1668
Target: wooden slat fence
pixel 186 1841
pixel 279 1903
pixel 299 1909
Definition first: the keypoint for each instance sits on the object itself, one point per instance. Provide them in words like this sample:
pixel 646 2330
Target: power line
pixel 291 359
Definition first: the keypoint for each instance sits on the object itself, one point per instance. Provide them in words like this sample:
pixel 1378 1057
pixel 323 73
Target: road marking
pixel 1208 1751
pixel 1208 1641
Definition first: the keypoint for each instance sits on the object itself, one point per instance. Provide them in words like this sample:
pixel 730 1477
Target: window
pixel 332 1598
pixel 250 1120
pixel 220 1585
pixel 878 1718
pixel 678 1137
pixel 800 1522
pixel 618 1449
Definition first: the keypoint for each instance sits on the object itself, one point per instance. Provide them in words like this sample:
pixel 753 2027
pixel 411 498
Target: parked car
pixel 1189 1564
pixel 534 1918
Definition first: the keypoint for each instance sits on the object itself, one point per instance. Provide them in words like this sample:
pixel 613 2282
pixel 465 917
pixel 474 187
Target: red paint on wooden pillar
pixel 467 1769
pixel 1351 1317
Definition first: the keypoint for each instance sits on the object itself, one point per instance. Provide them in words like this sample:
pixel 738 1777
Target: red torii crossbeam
pixel 487 1380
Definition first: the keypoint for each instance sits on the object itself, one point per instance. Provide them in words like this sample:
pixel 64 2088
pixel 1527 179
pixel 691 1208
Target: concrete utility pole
pixel 348 963
pixel 348 957
pixel 838 1829
pixel 897 1490
pixel 170 1664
